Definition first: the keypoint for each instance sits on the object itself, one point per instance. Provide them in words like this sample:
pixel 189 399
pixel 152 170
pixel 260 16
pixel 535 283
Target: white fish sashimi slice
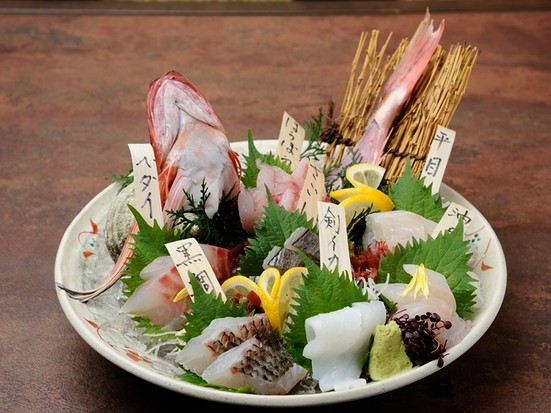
pixel 440 301
pixel 154 298
pixel 262 364
pixel 221 335
pixel 338 342
pixel 156 267
pixel 396 227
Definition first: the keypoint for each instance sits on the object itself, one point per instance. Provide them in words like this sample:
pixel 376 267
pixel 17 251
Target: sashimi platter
pixel 327 265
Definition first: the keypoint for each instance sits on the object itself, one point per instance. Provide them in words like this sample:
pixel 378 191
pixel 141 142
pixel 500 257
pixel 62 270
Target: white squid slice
pixel 338 342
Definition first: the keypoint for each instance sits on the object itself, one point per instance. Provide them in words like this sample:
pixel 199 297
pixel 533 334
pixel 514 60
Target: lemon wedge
pixel 365 174
pixel 372 199
pixel 238 285
pixel 341 194
pixel 290 280
pixel 275 291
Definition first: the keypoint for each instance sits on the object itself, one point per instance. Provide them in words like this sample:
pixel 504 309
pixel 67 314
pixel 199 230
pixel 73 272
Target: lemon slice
pixel 374 199
pixel 365 174
pixel 290 280
pixel 268 281
pixel 341 194
pixel 238 285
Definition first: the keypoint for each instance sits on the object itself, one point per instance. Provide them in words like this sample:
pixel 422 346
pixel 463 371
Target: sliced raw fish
pixel 440 300
pixel 284 188
pixel 282 259
pixel 154 298
pixel 262 364
pixel 396 227
pixel 306 241
pixel 221 335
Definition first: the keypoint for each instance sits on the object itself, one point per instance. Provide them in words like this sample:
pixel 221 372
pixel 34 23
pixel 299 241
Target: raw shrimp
pixel 396 91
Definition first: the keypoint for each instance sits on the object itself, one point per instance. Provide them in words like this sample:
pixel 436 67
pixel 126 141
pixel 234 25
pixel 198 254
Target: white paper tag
pixel 146 183
pixel 188 256
pixel 437 158
pixel 291 138
pixel 451 217
pixel 313 191
pixel 333 238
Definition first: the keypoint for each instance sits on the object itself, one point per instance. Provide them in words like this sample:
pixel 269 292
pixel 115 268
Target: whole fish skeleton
pixel 190 148
pixel 396 92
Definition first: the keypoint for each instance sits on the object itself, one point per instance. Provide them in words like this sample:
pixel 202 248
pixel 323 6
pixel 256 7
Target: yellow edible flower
pixel 420 281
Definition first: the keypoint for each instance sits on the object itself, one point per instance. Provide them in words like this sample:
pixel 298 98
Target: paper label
pixel 474 231
pixel 437 158
pixel 333 238
pixel 188 256
pixel 146 183
pixel 291 138
pixel 313 191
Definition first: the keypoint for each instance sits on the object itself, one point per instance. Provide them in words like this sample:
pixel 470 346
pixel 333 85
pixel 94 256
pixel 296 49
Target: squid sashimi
pixel 338 343
pixel 440 300
pixel 396 227
pixel 262 364
pixel 154 298
pixel 221 335
pixel 284 188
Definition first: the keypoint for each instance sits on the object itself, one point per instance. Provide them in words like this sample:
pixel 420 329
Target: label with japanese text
pixel 437 158
pixel 146 183
pixel 333 238
pixel 291 138
pixel 189 258
pixel 313 191
pixel 474 231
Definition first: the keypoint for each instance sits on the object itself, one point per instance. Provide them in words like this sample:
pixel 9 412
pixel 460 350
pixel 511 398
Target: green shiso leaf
pixel 148 244
pixel 323 291
pixel 205 308
pixel 447 254
pixel 275 227
pixel 250 171
pixel 410 194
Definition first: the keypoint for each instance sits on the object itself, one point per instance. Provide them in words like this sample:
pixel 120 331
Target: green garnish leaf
pixel 205 307
pixel 223 229
pixel 410 194
pixel 315 147
pixel 123 180
pixel 275 227
pixel 250 171
pixel 447 254
pixel 148 244
pixel 322 291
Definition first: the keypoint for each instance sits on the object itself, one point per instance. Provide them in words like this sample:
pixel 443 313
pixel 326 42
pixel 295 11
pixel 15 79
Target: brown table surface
pixel 72 96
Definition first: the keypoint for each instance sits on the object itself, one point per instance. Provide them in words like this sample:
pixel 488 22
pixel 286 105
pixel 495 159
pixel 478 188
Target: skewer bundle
pixel 432 103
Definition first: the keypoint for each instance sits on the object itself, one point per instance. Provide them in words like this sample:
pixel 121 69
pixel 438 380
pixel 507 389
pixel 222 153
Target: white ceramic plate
pixel 81 245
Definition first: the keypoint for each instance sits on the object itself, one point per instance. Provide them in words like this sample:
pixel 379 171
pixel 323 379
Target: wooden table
pixel 72 96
